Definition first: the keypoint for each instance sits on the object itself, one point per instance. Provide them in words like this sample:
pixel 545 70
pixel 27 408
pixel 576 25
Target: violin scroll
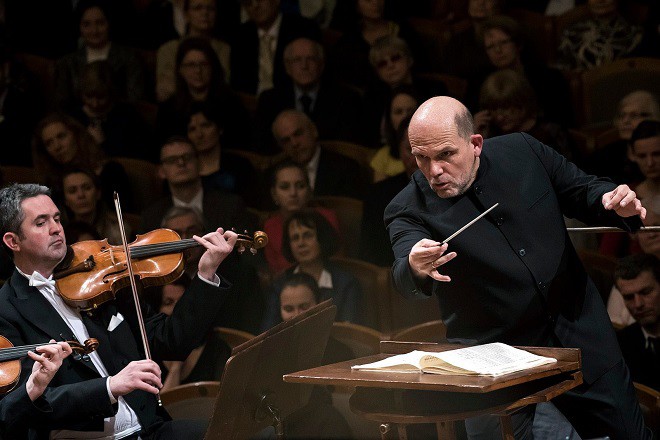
pixel 85 348
pixel 257 241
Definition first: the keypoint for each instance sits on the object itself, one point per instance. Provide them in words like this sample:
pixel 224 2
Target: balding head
pixel 633 109
pixel 296 134
pixel 445 146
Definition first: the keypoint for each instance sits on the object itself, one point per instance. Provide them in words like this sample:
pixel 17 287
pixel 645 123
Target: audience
pixel 613 160
pixel 95 35
pixel 309 242
pixel 206 362
pixel 387 160
pixel 290 192
pixel 60 142
pixel 199 18
pixel 200 79
pixel 638 279
pixel 257 60
pixel 599 39
pixel 115 125
pixel 334 108
pixel 82 199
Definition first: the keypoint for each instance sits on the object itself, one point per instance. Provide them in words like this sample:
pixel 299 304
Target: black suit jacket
pixel 336 112
pixel 77 398
pixel 644 366
pixel 245 51
pixel 517 278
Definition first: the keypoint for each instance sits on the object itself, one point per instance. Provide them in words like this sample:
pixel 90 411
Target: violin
pixel 93 270
pixel 10 364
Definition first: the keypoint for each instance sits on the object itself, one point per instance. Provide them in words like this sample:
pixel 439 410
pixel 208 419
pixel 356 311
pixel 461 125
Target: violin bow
pixel 136 299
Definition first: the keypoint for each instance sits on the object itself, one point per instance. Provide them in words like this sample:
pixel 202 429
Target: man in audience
pixel 329 173
pixel 256 55
pixel 335 109
pixel 179 168
pixel 638 279
pixel 645 151
pixel 613 160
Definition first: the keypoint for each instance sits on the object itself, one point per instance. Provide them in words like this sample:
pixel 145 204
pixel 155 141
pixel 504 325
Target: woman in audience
pixel 206 362
pixel 599 39
pixel 351 53
pixel 95 25
pixel 290 192
pixel 200 79
pixel 115 126
pixel 503 40
pixel 309 242
pixel 387 162
pixel 392 62
pixel 219 169
pixel 82 199
pixel 508 104
pixel 200 17
pixel 60 143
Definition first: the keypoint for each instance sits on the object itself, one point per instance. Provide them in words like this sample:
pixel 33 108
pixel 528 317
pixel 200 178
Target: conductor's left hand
pixel 624 202
pixel 218 245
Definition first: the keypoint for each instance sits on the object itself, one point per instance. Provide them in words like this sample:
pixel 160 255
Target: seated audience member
pixel 644 150
pixel 638 279
pixel 366 25
pixel 82 199
pixel 200 79
pixel 80 231
pixel 20 109
pixel 334 108
pixel 210 209
pixel 318 418
pixel 219 170
pixel 115 126
pixel 206 362
pixel 257 60
pixel 508 104
pixel 95 24
pixel 392 61
pixel 387 160
pixel 179 168
pixel 60 143
pixel 374 240
pixel 505 46
pixel 200 16
pixel 613 160
pixel 309 242
pixel 599 39
pixel 290 192
pixel 329 173
pixel 46 361
pixel 468 41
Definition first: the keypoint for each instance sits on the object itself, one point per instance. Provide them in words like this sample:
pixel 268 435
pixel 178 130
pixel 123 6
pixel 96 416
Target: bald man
pixel 513 276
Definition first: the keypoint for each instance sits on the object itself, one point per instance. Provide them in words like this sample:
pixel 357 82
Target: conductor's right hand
pixel 425 258
pixel 138 375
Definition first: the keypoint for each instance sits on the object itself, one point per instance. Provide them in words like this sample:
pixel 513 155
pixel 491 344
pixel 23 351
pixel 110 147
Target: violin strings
pixel 12 352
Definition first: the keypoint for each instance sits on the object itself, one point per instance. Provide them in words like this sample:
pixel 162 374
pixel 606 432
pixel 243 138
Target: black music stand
pixel 252 394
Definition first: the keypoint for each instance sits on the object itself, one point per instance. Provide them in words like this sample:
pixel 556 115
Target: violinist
pixel 47 360
pixel 111 392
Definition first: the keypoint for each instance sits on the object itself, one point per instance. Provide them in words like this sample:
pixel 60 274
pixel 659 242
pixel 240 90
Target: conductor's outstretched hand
pixel 425 258
pixel 624 202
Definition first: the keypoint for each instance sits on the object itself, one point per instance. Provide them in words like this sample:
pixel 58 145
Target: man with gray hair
pixel 111 392
pixel 334 108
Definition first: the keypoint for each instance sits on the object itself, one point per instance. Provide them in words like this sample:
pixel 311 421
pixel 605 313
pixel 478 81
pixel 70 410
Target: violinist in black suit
pixel 112 391
pixel 513 276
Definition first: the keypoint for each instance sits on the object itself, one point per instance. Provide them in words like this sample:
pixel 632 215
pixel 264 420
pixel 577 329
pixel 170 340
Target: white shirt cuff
pixel 107 386
pixel 215 282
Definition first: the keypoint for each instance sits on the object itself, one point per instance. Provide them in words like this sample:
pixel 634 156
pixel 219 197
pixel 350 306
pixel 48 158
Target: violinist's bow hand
pixel 624 202
pixel 427 256
pixel 218 245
